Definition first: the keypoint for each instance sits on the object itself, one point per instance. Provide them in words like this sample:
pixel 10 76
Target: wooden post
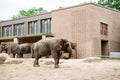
pixel 43 37
pixel 16 40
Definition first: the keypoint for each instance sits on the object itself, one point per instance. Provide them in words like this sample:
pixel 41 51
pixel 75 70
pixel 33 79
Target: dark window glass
pixel 19 29
pixel 104 29
pixel 7 31
pixel 46 25
pixel 33 27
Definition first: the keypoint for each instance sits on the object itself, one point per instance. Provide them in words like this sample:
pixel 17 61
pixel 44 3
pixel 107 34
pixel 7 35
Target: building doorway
pixel 104 48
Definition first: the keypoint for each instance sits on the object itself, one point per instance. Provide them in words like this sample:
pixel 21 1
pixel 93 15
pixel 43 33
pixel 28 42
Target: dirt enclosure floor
pixel 72 69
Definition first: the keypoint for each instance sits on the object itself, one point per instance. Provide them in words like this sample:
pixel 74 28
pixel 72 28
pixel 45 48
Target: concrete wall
pixel 109 17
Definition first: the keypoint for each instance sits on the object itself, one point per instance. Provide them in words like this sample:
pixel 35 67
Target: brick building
pixel 94 29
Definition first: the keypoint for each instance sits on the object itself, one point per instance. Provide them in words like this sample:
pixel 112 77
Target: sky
pixel 8 8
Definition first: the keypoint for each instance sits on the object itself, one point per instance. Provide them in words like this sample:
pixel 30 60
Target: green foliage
pixel 115 4
pixel 29 12
pixel 106 58
pixel 2 66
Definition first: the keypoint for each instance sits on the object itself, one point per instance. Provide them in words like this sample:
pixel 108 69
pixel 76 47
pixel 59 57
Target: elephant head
pixel 3 47
pixel 65 46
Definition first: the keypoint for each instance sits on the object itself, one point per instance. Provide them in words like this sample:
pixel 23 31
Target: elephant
pixel 2 47
pixel 54 47
pixel 11 48
pixel 25 48
pixel 74 51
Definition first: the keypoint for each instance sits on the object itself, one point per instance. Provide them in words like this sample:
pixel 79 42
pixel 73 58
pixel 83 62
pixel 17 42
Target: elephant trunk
pixel 69 49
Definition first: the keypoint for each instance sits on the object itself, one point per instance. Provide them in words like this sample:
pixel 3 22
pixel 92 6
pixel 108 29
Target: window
pixel 19 29
pixel 33 27
pixel 104 29
pixel 7 31
pixel 0 31
pixel 46 25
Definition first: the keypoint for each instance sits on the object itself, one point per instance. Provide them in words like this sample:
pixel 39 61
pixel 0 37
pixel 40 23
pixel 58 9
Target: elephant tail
pixel 32 51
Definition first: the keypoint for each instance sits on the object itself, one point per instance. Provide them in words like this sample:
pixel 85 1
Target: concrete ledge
pixel 114 55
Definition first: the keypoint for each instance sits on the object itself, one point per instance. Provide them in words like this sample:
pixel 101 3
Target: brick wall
pixel 81 25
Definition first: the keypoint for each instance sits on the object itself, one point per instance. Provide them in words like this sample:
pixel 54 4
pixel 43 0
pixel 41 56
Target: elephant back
pixel 25 47
pixel 14 47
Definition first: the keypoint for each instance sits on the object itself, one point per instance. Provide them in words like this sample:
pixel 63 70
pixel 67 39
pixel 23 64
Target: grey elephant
pixel 2 47
pixel 11 48
pixel 52 47
pixel 25 48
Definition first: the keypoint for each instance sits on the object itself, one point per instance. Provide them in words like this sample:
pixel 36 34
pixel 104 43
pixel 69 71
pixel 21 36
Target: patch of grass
pixel 105 58
pixel 1 66
pixel 115 58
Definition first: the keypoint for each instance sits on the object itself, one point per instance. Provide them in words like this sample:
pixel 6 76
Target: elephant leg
pixel 56 62
pixel 13 55
pixel 59 54
pixel 56 59
pixel 32 55
pixel 21 55
pixel 36 62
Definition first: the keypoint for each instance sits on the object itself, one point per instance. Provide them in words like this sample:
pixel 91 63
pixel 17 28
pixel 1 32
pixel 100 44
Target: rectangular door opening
pixel 104 48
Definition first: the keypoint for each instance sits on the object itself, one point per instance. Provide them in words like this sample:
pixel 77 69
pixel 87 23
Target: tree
pixel 115 4
pixel 29 12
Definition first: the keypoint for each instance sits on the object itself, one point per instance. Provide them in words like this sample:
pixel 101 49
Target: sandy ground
pixel 71 69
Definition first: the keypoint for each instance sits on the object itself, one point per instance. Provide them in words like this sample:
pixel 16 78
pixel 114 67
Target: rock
pixel 3 57
pixel 92 59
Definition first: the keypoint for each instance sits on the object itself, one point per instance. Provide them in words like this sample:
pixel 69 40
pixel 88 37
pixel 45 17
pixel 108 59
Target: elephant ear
pixel 4 46
pixel 64 41
pixel 58 46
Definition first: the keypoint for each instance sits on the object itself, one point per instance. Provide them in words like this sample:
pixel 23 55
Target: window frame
pixel 19 29
pixel 46 26
pixel 103 29
pixel 33 27
pixel 7 31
